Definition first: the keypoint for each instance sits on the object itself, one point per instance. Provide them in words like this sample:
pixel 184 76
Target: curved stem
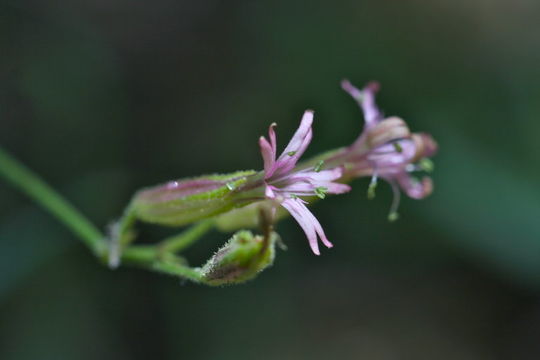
pixel 179 242
pixel 159 258
pixel 34 187
pixel 150 257
pixel 176 268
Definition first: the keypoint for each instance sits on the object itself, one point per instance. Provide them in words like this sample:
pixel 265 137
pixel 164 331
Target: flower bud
pixel 182 202
pixel 240 259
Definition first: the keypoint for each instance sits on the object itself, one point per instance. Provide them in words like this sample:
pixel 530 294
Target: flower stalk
pixel 24 179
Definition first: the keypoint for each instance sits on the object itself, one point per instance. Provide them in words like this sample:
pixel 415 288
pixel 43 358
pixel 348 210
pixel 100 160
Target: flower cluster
pixel 385 149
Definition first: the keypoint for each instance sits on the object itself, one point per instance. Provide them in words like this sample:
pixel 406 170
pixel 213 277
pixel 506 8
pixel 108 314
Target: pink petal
pixel 372 113
pixel 272 136
pixel 298 211
pixel 269 192
pixel 320 231
pixel 299 189
pixel 366 100
pixel 324 175
pixel 298 144
pixel 268 157
pixel 352 90
pixel 336 188
pixel 313 220
pixel 425 145
pixel 413 188
pixel 308 222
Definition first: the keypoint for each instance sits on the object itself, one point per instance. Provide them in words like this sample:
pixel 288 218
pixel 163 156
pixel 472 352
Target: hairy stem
pixel 176 268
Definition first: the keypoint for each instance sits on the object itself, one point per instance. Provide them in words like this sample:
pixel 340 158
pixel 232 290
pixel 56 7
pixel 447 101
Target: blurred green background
pixel 103 97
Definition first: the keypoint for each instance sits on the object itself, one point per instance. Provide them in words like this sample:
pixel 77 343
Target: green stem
pixel 179 242
pixel 175 268
pixel 141 255
pixel 158 258
pixel 150 257
pixel 125 227
pixel 31 184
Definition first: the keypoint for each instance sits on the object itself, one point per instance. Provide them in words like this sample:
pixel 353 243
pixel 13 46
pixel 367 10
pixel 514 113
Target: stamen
pixel 280 243
pixel 426 165
pixel 321 191
pixel 372 187
pixel 319 166
pixel 398 147
pixel 393 214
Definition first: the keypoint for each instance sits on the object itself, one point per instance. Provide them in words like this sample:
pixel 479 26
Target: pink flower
pixel 287 186
pixel 387 149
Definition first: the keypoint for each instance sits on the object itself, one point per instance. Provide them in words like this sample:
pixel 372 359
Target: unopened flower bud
pixel 240 259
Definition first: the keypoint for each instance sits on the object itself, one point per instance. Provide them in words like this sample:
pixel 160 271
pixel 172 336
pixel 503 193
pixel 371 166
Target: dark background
pixel 103 97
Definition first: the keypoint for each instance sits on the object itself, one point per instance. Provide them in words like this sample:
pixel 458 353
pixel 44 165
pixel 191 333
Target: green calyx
pixel 189 200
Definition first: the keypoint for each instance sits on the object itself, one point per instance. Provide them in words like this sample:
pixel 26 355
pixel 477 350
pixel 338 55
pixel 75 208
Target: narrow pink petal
pixel 301 132
pixel 352 90
pixel 308 215
pixel 298 144
pixel 298 211
pixel 272 136
pixel 320 231
pixel 366 100
pixel 308 189
pixel 299 188
pixel 268 156
pixel 372 113
pixel 337 188
pixel 304 183
pixel 287 162
pixel 413 188
pixel 269 192
pixel 425 145
pixel 323 175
